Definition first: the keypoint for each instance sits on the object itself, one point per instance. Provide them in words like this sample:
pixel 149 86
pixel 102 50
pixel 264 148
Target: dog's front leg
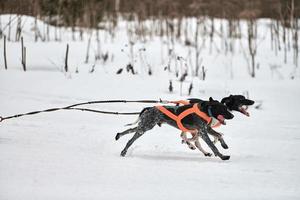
pixel 198 145
pixel 203 132
pixel 218 137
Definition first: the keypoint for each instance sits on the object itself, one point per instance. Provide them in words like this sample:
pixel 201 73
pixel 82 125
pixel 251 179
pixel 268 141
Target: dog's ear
pixel 203 105
pixel 211 99
pixel 225 100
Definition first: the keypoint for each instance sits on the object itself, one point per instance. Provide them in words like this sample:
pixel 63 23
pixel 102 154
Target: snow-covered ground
pixel 73 154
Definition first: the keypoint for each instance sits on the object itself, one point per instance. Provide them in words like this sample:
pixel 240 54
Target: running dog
pixel 233 102
pixel 188 118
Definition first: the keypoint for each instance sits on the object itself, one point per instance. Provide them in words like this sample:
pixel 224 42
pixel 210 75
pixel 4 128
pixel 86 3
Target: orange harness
pixel 177 119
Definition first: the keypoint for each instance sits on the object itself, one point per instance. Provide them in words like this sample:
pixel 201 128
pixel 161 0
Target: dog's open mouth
pixel 221 119
pixel 243 109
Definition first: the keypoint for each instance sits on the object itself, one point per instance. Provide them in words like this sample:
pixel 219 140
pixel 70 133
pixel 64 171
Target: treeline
pixel 168 19
pixel 89 13
pixel 234 9
pixel 85 13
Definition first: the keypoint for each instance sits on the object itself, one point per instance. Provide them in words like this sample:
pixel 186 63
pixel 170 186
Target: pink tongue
pixel 221 119
pixel 244 112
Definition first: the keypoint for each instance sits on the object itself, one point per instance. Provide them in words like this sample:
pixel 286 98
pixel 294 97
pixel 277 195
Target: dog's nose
pixel 250 102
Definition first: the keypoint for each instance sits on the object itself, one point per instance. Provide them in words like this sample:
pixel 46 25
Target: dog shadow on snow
pixel 178 157
pixel 187 157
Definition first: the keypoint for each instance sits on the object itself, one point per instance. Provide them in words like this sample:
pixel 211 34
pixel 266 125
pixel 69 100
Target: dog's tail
pixel 138 119
pixel 133 123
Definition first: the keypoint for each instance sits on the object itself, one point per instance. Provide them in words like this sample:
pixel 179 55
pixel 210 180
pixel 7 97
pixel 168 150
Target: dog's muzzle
pixel 243 109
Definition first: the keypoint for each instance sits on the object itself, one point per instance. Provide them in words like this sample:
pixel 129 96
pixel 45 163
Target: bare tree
pixel 4 52
pixel 19 28
pixel 66 58
pixel 23 54
pixel 88 48
pixel 252 44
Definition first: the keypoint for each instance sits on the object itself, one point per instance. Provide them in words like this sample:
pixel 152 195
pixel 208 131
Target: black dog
pixel 233 103
pixel 237 103
pixel 152 116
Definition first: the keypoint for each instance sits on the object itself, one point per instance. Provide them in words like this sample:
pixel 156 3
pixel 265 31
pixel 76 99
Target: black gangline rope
pixel 72 107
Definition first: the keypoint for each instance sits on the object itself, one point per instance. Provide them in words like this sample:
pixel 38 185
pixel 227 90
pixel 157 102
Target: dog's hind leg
pixel 141 129
pixel 131 130
pixel 148 119
pixel 130 142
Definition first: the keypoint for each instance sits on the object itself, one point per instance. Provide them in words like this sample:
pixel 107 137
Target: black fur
pixel 235 102
pixel 232 102
pixel 151 116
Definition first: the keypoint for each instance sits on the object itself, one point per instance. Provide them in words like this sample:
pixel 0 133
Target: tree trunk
pixel 66 59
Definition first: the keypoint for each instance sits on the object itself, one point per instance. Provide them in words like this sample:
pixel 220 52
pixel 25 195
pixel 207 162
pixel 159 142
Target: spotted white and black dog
pixel 152 116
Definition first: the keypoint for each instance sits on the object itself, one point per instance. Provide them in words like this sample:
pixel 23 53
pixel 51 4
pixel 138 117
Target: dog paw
pixel 117 136
pixel 208 154
pixel 225 157
pixel 191 147
pixel 123 153
pixel 224 146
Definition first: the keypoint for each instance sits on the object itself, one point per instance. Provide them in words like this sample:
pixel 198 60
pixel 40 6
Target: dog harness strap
pixel 174 117
pixel 183 102
pixel 167 112
pixel 178 119
pixel 201 114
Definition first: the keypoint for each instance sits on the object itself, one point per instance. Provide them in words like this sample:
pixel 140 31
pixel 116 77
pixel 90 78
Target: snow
pixel 73 154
